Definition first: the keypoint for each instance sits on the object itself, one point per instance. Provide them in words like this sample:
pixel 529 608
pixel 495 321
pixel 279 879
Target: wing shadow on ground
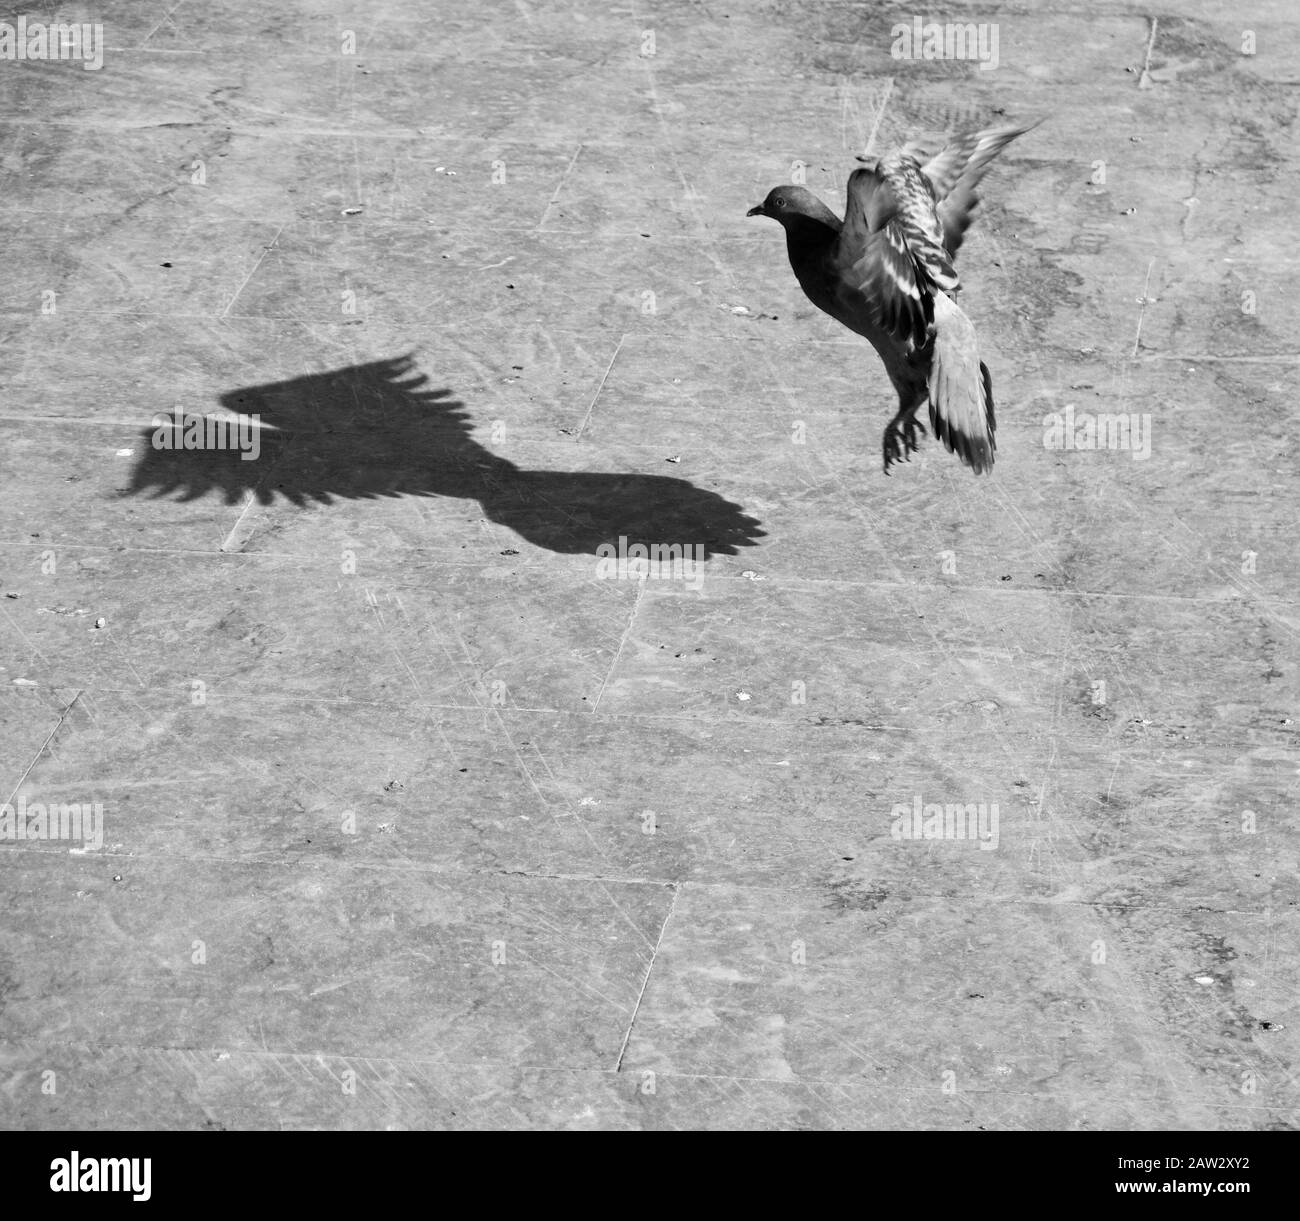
pixel 377 430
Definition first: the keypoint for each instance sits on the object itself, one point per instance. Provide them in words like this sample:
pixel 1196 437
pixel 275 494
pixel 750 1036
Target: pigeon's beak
pixel 756 210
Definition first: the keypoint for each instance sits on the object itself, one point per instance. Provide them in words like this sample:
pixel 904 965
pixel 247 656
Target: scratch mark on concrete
pixel 1144 301
pixel 631 621
pixel 564 178
pixel 265 251
pixel 586 419
pixel 645 982
pixel 880 114
pixel 63 716
pixel 1144 81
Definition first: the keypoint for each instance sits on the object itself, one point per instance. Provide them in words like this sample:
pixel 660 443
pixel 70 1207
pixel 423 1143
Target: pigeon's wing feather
pixel 967 156
pixel 874 262
pixel 871 204
pixel 920 222
pixel 888 276
pixel 921 150
pixel 955 214
pixel 956 171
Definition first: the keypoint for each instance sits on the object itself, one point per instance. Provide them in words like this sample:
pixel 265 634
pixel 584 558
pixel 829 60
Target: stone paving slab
pixel 413 815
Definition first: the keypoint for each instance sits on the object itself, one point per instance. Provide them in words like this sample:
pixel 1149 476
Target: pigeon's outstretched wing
pixel 955 172
pixel 875 261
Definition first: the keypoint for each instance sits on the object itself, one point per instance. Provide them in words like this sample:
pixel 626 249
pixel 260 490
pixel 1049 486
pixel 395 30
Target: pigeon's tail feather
pixel 960 389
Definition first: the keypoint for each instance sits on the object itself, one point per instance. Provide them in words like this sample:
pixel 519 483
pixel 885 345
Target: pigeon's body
pixel 886 272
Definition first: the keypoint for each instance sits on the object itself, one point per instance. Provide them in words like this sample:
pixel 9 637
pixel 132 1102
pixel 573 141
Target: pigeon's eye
pixel 779 202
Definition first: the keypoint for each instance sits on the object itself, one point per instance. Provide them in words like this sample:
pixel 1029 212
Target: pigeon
pixel 886 272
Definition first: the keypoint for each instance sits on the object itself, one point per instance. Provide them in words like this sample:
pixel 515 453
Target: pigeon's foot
pixel 900 439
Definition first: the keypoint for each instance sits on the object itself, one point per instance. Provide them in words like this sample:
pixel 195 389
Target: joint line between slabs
pixel 645 983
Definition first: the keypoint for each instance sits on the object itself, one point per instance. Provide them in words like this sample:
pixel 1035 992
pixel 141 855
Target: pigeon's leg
pixel 900 433
pixel 894 450
pixel 910 425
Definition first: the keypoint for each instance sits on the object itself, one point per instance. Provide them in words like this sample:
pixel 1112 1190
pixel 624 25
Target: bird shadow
pixel 377 430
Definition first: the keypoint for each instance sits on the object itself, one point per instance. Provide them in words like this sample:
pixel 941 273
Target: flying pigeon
pixel 886 272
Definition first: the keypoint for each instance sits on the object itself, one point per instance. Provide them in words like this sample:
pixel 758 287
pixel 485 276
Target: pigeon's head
pixel 785 203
